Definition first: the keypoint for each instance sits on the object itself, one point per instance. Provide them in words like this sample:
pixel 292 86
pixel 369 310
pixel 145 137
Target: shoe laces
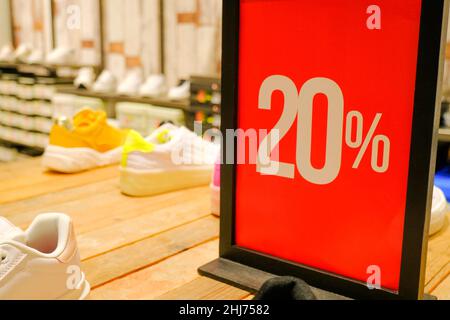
pixel 164 136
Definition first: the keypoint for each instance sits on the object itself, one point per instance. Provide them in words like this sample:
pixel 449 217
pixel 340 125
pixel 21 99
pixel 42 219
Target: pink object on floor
pixel 215 191
pixel 216 178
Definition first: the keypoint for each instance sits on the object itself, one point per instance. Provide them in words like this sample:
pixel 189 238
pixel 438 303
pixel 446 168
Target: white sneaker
pixel 181 92
pixel 105 83
pixel 7 53
pixel 132 83
pixel 22 52
pixel 155 86
pixel 36 57
pixel 42 263
pixel 85 79
pixel 438 212
pixel 170 159
pixel 61 56
pixel 7 229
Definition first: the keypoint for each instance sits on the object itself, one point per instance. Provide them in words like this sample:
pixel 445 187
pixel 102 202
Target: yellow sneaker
pixel 89 144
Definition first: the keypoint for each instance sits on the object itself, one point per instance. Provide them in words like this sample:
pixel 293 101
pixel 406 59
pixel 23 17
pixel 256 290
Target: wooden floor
pixel 146 248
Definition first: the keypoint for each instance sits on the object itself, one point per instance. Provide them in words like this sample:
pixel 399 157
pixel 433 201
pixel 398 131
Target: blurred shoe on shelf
pixel 22 52
pixel 155 86
pixel 91 143
pixel 216 98
pixel 171 159
pixel 61 56
pixel 215 191
pixel 181 92
pixel 36 57
pixel 42 263
pixel 146 118
pixel 106 83
pixel 7 53
pixel 446 118
pixel 438 212
pixel 133 81
pixel 85 79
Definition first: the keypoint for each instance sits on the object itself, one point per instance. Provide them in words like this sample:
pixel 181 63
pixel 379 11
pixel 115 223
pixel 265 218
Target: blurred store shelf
pixel 444 135
pixel 47 70
pixel 161 102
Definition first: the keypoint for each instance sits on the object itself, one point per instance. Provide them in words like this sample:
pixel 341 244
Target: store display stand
pixel 248 278
pixel 248 268
pixel 251 279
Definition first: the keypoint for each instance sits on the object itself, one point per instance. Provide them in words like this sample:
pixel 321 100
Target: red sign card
pixel 337 79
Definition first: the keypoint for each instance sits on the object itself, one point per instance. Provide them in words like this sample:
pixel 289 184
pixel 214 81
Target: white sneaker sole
pixel 73 160
pixel 148 183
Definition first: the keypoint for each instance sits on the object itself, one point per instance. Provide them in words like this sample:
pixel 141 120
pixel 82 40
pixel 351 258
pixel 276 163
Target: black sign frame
pixel 433 27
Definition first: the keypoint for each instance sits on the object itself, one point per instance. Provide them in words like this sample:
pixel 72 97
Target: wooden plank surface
pixel 205 289
pixel 442 290
pixel 144 253
pixel 146 248
pixel 438 258
pixel 33 181
pixel 156 280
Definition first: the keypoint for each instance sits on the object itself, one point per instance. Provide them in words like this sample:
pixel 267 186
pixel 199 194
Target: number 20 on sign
pixel 350 127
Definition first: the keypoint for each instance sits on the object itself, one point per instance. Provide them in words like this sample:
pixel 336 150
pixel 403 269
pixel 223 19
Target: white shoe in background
pixel 181 92
pixel 7 53
pixel 106 83
pixel 170 159
pixel 61 56
pixel 36 57
pixel 22 52
pixel 438 212
pixel 155 86
pixel 132 83
pixel 42 263
pixel 85 79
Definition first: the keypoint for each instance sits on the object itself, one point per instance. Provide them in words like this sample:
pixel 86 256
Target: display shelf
pixel 206 94
pixel 214 109
pixel 15 127
pixel 444 135
pixel 15 65
pixel 176 234
pixel 112 97
pixel 34 115
pixel 23 148
pixel 44 70
pixel 26 110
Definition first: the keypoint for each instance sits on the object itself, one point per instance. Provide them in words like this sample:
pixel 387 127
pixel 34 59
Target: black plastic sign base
pixel 251 279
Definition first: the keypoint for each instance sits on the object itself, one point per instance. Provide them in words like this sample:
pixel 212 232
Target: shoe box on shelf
pixel 26 110
pixel 145 118
pixel 205 102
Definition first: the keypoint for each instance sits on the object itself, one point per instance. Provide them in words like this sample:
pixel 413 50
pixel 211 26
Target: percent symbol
pixel 361 143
